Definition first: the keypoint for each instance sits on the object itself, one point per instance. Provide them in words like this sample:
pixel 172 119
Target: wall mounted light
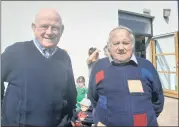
pixel 146 11
pixel 166 13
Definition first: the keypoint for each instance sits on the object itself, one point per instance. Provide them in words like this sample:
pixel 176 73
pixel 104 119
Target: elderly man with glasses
pixel 41 89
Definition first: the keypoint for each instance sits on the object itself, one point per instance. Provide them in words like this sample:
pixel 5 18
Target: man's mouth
pixel 121 53
pixel 49 38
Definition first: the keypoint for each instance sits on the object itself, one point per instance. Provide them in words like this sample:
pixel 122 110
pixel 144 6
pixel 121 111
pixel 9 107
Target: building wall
pixel 87 23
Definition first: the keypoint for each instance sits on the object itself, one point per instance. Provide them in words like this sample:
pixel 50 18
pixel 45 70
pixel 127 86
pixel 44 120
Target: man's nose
pixel 49 30
pixel 120 47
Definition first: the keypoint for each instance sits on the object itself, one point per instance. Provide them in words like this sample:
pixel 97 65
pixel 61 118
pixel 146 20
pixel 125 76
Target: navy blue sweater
pixel 41 91
pixel 114 104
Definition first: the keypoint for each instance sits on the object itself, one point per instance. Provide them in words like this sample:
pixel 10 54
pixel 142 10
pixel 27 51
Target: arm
pixel 70 97
pixel 92 93
pixel 157 93
pixel 71 90
pixel 86 92
pixel 7 60
pixel 92 56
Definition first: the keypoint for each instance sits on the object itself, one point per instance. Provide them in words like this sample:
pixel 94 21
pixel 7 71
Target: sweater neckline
pixel 40 54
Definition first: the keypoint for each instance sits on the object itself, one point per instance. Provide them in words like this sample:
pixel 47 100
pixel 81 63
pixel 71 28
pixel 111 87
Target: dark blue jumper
pixel 41 91
pixel 114 104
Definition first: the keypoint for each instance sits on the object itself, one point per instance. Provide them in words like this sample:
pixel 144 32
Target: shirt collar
pixel 41 47
pixel 133 58
pixel 38 45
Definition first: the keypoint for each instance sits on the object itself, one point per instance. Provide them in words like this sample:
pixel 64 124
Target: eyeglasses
pixel 54 28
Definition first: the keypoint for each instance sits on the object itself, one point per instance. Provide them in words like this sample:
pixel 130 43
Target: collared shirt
pixel 133 58
pixel 44 51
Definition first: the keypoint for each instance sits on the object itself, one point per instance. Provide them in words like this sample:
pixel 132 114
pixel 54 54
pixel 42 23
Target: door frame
pixel 169 93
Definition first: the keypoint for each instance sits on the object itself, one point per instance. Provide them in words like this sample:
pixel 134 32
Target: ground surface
pixel 169 116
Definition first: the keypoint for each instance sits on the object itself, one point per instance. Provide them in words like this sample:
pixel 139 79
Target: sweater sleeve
pixel 71 92
pixel 72 86
pixel 157 91
pixel 157 94
pixel 92 93
pixel 156 87
pixel 70 95
pixel 7 60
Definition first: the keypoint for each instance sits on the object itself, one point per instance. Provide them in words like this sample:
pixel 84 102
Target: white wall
pixel 87 23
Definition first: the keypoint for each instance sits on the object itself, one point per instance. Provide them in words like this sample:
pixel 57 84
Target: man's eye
pixel 125 43
pixel 55 28
pixel 117 43
pixel 44 26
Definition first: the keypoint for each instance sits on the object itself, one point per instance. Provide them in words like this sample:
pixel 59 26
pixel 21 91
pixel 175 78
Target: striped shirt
pixel 133 58
pixel 44 51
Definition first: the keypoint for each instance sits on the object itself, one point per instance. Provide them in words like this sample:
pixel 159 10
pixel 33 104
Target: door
pixel 140 49
pixel 165 60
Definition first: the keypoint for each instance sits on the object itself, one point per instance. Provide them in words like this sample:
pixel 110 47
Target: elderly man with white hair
pixel 125 90
pixel 41 89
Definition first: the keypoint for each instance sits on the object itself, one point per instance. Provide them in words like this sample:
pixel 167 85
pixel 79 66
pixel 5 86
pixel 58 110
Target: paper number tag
pixel 135 86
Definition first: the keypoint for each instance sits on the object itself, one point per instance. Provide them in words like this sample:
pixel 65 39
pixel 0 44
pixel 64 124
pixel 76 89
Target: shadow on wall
pixel 166 20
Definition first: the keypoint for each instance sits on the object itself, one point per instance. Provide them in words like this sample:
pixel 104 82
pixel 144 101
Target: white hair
pixel 130 32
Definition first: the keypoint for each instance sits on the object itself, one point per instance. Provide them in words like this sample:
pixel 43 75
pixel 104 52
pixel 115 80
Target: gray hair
pixel 130 32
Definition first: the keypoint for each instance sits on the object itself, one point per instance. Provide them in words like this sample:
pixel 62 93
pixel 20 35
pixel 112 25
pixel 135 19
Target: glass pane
pixel 140 50
pixel 169 81
pixel 166 63
pixel 162 42
pixel 137 24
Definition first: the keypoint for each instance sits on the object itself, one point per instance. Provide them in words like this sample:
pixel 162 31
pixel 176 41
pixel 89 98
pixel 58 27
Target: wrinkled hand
pixel 100 124
pixel 73 124
pixel 66 122
pixel 81 119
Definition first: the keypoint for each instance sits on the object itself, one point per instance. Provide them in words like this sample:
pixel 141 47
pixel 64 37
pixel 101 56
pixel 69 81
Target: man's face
pixel 48 29
pixel 120 45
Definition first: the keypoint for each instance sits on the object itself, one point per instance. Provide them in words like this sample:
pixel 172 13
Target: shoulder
pixel 102 61
pixel 101 64
pixel 147 68
pixel 85 88
pixel 77 88
pixel 17 46
pixel 62 53
pixel 64 58
pixel 144 62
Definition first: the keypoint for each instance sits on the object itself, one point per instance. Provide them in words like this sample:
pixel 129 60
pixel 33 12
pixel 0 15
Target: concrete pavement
pixel 169 116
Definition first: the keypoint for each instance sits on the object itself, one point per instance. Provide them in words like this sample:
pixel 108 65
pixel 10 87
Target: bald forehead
pixel 119 33
pixel 48 13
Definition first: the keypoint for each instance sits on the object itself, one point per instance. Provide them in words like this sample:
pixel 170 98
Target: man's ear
pixel 108 49
pixel 62 29
pixel 33 26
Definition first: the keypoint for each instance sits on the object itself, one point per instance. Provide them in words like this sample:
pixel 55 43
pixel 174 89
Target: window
pixel 140 24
